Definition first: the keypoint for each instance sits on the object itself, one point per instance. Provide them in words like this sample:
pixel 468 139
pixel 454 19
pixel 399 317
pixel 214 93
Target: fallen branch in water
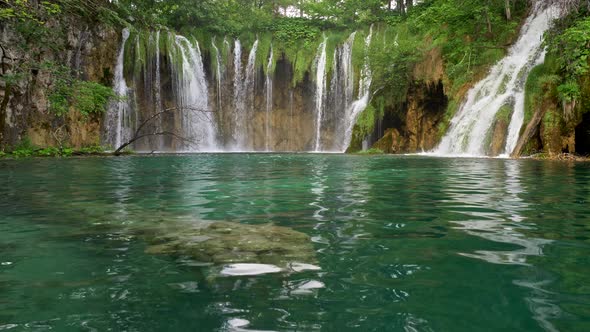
pixel 138 135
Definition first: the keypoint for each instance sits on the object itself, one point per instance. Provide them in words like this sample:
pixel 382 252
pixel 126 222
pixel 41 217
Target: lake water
pixel 403 244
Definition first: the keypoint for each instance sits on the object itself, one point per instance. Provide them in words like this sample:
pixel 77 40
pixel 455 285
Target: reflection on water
pixel 540 303
pixel 317 189
pixel 240 325
pixel 490 200
pixel 496 214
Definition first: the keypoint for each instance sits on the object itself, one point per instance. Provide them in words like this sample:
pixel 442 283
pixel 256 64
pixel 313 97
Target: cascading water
pixel 246 97
pixel 503 87
pixel 119 113
pixel 193 100
pixel 341 92
pixel 158 87
pixel 364 94
pixel 320 96
pixel 268 85
pixel 218 70
pixel 251 114
pixel 347 68
pixel 239 122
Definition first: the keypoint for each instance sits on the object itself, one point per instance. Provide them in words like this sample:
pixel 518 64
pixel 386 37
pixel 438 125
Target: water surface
pixel 403 243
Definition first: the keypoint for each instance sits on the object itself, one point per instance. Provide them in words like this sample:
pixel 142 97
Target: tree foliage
pixel 569 44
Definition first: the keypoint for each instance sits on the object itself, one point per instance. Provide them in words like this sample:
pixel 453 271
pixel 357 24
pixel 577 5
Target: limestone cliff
pixel 87 50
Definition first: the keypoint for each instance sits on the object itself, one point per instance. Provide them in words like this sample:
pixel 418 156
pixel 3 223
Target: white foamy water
pixel 118 115
pixel 193 99
pixel 320 94
pixel 504 86
pixel 359 105
pixel 268 85
pixel 249 269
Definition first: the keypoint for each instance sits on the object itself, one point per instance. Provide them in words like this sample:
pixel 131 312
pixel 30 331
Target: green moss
pixel 140 54
pixel 359 51
pixel 129 59
pixel 263 52
pixel 503 86
pixel 550 120
pixel 203 37
pixel 366 121
pixel 302 63
pixel 504 114
pixel 371 151
pixel 540 85
pixel 450 112
pixel 216 57
pixel 225 50
pixel 533 92
pixel 334 40
pixel 365 124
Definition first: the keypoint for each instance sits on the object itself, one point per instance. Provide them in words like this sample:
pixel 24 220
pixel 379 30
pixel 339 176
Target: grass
pixel 25 150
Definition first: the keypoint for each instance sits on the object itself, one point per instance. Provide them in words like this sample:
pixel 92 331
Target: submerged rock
pixel 232 243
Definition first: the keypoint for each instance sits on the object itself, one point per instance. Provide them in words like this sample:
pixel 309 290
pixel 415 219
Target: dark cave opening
pixel 583 136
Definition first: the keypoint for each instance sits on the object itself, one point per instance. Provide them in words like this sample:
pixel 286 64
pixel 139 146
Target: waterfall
pixel 347 68
pixel 193 99
pixel 320 67
pixel 169 71
pixel 237 73
pixel 239 122
pixel 251 68
pixel 341 92
pixel 158 88
pixel 364 93
pixel 218 70
pixel 247 101
pixel 119 112
pixel 268 84
pixel 503 87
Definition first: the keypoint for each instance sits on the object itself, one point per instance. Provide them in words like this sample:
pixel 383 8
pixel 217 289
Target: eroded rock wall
pixel 88 51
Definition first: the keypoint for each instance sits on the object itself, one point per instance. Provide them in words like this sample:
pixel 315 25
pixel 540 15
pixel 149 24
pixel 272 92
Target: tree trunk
pixel 410 4
pixel 400 6
pixel 529 132
pixel 508 13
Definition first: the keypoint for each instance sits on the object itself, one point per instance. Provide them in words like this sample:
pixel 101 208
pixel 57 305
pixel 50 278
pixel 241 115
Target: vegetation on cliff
pixel 36 36
pixel 557 91
pixel 467 36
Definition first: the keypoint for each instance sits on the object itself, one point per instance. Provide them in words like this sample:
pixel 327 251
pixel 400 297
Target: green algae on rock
pixel 230 242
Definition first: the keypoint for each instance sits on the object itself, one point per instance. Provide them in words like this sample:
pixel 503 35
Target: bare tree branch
pixel 163 133
pixel 139 135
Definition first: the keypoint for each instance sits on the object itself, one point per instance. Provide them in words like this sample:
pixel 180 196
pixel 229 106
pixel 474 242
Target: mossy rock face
pixel 391 142
pixel 230 242
pixel 495 140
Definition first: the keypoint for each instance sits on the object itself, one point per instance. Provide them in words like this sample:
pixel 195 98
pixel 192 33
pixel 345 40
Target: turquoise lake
pixel 393 243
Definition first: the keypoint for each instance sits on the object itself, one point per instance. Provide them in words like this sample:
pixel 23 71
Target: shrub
pixel 84 96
